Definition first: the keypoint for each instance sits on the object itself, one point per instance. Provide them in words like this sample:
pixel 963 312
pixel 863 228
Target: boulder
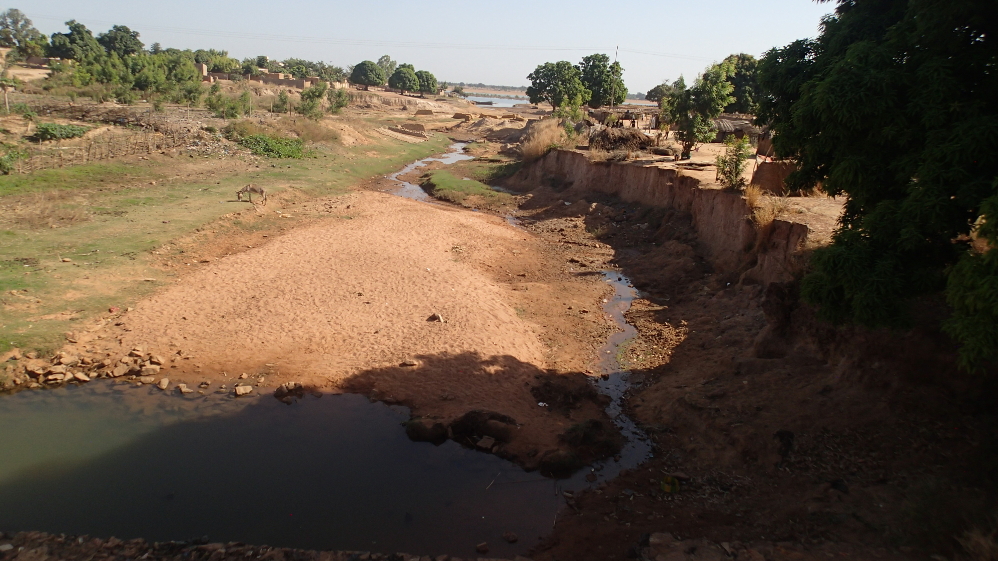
pixel 147 379
pixel 120 370
pixel 157 360
pixel 182 388
pixel 81 377
pixel 150 370
pixel 57 369
pixel 243 390
pixel 163 384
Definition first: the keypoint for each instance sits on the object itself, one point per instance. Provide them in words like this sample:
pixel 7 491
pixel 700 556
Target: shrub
pixel 274 146
pixel 731 165
pixel 282 103
pixel 542 137
pixel 9 155
pixel 338 99
pixel 53 131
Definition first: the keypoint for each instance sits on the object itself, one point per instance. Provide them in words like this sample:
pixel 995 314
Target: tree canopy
pixel 367 73
pixel 690 110
pixel 603 80
pixel 18 32
pixel 387 65
pixel 558 83
pixel 659 92
pixel 78 44
pixel 893 106
pixel 121 40
pixel 745 83
pixel 404 79
pixel 427 82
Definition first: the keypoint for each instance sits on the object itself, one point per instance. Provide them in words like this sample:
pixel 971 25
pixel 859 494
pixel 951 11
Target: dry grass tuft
pixel 752 193
pixel 309 131
pixel 44 210
pixel 542 137
pixel 769 209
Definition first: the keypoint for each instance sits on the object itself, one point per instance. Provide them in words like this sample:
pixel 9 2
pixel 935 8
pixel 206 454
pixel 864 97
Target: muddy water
pixel 408 190
pixel 335 472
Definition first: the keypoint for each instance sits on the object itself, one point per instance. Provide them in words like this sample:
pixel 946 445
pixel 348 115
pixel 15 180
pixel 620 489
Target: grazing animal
pixel 249 190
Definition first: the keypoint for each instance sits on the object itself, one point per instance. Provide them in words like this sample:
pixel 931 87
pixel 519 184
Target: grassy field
pixel 444 185
pixel 95 236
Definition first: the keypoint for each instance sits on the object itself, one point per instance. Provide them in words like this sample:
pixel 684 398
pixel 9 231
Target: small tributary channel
pixel 329 472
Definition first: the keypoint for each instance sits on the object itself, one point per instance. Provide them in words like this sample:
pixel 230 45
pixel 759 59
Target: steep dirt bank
pixel 789 438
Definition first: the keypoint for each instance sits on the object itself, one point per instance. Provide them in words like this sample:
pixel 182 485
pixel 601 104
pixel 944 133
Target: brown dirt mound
pixel 619 139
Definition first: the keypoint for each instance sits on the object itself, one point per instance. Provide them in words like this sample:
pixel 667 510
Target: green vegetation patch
pixel 274 146
pixel 54 131
pixel 444 185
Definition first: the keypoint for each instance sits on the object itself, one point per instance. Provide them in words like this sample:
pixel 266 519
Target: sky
pixel 485 41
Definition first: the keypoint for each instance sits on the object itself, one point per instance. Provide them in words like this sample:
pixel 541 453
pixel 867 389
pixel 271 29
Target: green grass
pixel 126 219
pixel 466 192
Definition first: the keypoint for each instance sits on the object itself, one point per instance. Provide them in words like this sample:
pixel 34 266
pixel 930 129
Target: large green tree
pixel 659 92
pixel 17 32
pixel 121 40
pixel 387 65
pixel 893 106
pixel 427 82
pixel 404 79
pixel 367 74
pixel 690 111
pixel 78 44
pixel 743 78
pixel 604 80
pixel 558 83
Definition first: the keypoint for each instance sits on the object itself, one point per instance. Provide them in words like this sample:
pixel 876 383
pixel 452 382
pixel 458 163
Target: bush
pixel 338 99
pixel 9 155
pixel 274 146
pixel 53 131
pixel 542 137
pixel 731 165
pixel 282 103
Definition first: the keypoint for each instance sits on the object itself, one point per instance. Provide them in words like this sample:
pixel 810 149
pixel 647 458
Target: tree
pixel 404 79
pixel 17 32
pixel 731 166
pixel 121 40
pixel 603 80
pixel 78 44
pixel 311 101
pixel 745 82
pixel 558 83
pixel 367 74
pixel 338 99
pixel 659 92
pixel 387 65
pixel 893 107
pixel 690 111
pixel 427 82
pixel 155 49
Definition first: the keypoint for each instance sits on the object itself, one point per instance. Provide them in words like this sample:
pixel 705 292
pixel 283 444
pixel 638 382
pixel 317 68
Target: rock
pixel 66 260
pixel 137 352
pixel 5 547
pixel 182 388
pixel 486 443
pixel 435 317
pixel 57 369
pixel 54 378
pixel 482 547
pixel 150 370
pixel 243 376
pixel 409 362
pixel 590 477
pixel 120 370
pixel 204 384
pixel 243 390
pixel 510 537
pixel 81 377
pixel 163 384
pixel 147 379
pixel 424 430
pixel 68 359
pixel 157 360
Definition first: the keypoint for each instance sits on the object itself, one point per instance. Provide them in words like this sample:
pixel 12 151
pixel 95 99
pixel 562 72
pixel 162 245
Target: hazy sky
pixel 490 42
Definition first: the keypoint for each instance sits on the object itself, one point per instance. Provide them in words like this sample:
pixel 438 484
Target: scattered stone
pixel 486 443
pixel 66 260
pixel 243 390
pixel 120 370
pixel 54 378
pixel 409 362
pixel 243 376
pixel 482 547
pixel 147 379
pixel 163 384
pixel 182 388
pixel 435 317
pixel 5 547
pixel 57 369
pixel 204 385
pixel 510 537
pixel 150 370
pixel 157 360
pixel 137 352
pixel 68 359
pixel 81 377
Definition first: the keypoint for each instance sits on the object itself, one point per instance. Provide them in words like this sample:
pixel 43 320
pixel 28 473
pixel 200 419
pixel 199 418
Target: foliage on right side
pixel 893 106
